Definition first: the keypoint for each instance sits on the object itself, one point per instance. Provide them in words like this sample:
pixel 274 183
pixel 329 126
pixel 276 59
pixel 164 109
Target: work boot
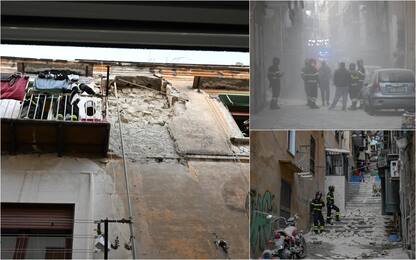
pixel 273 104
pixel 353 106
pixel 314 106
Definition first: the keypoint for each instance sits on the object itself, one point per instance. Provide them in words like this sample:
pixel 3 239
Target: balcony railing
pixel 62 123
pixel 39 106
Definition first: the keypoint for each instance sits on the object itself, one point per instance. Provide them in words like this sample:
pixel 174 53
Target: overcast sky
pixel 120 54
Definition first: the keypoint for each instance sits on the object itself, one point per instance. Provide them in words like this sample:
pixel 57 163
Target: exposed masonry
pixel 144 115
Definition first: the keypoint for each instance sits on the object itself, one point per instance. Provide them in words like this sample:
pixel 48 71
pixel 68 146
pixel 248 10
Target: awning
pixel 335 150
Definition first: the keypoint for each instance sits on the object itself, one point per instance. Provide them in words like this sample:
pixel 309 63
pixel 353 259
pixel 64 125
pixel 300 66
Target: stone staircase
pixel 363 213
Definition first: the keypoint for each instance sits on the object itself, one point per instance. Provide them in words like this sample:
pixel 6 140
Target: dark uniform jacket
pixel 274 74
pixel 355 78
pixel 342 78
pixel 330 198
pixel 310 75
pixel 324 75
pixel 317 205
pixel 361 72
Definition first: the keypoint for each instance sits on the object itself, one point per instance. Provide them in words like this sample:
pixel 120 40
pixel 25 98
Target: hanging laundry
pixel 14 87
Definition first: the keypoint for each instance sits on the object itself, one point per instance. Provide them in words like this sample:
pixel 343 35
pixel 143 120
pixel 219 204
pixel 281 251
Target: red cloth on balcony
pixel 14 88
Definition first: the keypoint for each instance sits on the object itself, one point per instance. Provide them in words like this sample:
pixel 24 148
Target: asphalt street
pixel 294 114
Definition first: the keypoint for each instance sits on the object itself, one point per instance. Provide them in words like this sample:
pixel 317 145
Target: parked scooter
pixel 287 243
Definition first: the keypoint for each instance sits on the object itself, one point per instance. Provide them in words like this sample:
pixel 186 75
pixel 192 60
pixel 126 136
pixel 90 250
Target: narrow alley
pixel 362 231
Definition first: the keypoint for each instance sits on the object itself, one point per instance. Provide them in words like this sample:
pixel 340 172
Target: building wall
pixel 49 179
pixel 339 182
pixel 270 164
pixel 407 192
pixel 187 180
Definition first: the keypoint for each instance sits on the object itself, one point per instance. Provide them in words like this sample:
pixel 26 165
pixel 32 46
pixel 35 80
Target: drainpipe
pixel 126 179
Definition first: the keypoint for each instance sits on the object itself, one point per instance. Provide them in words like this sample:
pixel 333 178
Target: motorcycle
pixel 288 242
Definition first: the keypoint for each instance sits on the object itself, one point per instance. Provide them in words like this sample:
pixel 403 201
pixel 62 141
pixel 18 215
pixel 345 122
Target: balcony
pixel 48 122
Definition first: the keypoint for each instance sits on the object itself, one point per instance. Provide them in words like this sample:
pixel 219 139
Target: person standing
pixel 354 86
pixel 310 76
pixel 342 81
pixel 316 207
pixel 324 79
pixel 330 205
pixel 274 76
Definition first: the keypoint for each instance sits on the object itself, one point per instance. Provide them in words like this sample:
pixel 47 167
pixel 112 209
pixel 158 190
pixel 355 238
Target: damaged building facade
pixel 186 159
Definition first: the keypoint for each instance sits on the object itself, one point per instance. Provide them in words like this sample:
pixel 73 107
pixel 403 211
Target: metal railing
pixel 41 106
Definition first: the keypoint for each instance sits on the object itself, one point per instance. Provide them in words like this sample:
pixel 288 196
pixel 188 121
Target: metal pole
pixel 106 238
pixel 108 80
pixel 133 240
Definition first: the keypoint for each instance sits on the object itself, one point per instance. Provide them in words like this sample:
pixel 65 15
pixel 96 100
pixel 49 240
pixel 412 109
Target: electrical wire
pixel 130 211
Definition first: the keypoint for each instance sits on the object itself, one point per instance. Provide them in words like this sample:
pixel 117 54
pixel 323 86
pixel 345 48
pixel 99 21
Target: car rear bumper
pixel 393 102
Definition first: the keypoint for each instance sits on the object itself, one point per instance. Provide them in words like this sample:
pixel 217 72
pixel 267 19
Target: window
pixel 335 164
pixel 312 156
pixel 238 105
pixel 396 76
pixel 285 198
pixel 36 231
pixel 291 142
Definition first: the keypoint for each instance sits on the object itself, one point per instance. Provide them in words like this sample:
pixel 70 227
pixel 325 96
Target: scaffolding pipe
pixel 133 240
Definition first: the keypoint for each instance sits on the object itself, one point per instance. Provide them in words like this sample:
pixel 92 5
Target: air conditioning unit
pixel 90 109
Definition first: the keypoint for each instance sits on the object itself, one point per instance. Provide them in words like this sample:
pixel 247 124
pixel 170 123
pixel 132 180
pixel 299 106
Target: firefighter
pixel 274 76
pixel 354 86
pixel 330 205
pixel 310 76
pixel 361 71
pixel 316 207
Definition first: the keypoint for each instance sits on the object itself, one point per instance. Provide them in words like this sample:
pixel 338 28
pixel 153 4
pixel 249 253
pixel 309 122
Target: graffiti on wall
pixel 260 227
